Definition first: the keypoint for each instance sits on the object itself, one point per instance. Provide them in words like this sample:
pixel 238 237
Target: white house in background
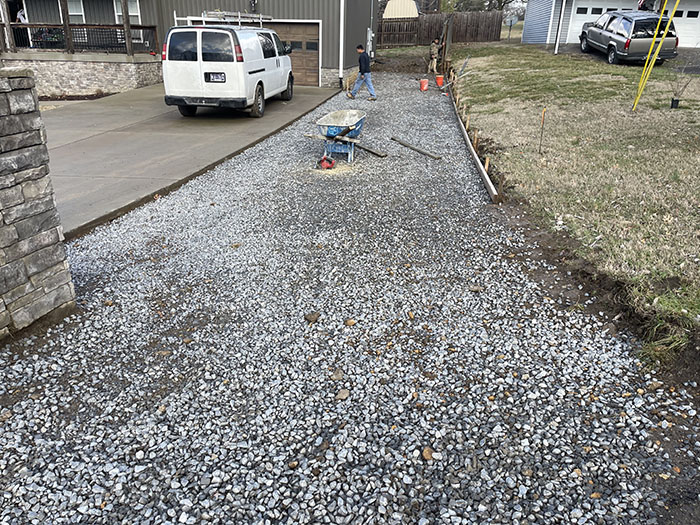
pixel 542 19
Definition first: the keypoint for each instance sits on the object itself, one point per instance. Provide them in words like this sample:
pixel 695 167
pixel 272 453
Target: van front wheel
pixel 288 93
pixel 258 109
pixel 187 111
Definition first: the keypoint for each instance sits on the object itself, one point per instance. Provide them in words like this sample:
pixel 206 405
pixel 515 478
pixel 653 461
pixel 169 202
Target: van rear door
pixel 220 74
pixel 181 70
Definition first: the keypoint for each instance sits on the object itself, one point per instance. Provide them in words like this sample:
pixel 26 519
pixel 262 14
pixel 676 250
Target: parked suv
pixel 225 66
pixel 627 35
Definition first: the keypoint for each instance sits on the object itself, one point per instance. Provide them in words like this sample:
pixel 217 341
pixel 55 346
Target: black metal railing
pixel 86 37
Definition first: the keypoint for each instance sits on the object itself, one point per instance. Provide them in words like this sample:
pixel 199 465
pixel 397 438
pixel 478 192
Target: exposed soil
pixel 94 96
pixel 401 64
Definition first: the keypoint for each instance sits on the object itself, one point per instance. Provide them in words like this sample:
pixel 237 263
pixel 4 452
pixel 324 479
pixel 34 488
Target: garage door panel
pixel 305 59
pixel 589 11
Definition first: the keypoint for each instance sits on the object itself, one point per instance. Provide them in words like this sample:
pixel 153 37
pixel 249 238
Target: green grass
pixel 626 185
pixel 521 72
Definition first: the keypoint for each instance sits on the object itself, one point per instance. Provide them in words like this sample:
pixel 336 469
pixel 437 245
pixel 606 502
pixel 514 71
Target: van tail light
pixel 676 41
pixel 627 44
pixel 239 53
pixel 165 49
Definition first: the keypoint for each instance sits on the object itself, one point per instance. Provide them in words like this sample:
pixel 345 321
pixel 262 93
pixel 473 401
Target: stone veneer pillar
pixel 34 275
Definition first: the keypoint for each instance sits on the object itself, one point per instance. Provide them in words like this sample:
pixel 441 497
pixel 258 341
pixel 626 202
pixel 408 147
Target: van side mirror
pixel 287 49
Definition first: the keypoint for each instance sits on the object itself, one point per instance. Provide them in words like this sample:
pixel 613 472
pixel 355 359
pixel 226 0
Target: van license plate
pixel 215 77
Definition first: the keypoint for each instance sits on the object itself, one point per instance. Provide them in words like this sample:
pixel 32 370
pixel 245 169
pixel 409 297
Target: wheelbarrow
pixel 344 123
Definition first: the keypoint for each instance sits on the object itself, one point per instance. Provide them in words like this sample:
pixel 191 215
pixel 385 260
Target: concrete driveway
pixel 109 155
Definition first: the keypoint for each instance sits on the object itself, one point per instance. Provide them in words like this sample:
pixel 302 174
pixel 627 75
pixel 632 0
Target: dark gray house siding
pixel 96 11
pixel 357 18
pixel 359 15
pixel 536 24
pixel 99 12
pixel 43 11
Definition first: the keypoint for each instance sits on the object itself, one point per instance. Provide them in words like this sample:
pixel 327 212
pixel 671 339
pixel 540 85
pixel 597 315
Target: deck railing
pixel 86 37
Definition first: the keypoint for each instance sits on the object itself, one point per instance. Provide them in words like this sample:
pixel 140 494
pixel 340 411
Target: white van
pixel 225 66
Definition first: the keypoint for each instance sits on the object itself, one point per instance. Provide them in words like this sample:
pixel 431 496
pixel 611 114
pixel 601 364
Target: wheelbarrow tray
pixel 333 123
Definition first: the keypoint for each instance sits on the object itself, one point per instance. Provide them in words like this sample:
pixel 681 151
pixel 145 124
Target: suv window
pixel 602 21
pixel 216 47
pixel 278 43
pixel 183 46
pixel 267 46
pixel 625 27
pixel 645 28
pixel 612 26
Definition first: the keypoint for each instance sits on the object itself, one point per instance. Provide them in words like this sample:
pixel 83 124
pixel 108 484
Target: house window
pixel 692 14
pixel 134 18
pixel 312 46
pixel 596 10
pixel 76 15
pixel 611 9
pixel 581 10
pixel 134 12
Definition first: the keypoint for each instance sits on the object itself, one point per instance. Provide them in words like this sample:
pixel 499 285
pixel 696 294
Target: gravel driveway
pixel 439 383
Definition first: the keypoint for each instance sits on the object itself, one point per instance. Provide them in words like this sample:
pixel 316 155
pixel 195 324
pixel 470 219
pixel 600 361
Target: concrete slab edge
pixel 91 225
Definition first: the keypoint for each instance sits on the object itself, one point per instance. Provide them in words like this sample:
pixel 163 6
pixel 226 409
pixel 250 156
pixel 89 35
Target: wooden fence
pixel 470 26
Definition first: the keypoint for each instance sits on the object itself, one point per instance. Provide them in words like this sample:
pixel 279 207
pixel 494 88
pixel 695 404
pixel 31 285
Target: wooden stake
pixel 542 128
pixel 476 140
pixel 486 164
pixel 468 119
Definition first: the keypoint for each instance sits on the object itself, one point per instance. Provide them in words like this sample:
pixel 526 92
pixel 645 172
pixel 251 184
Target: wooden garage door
pixel 305 46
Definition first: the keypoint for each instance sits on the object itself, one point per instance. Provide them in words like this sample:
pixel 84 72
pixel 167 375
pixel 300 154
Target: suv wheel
pixel 187 111
pixel 288 93
pixel 584 45
pixel 612 56
pixel 258 109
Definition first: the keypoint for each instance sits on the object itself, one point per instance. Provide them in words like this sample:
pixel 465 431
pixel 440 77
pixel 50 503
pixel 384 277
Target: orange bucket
pixel 439 80
pixel 424 84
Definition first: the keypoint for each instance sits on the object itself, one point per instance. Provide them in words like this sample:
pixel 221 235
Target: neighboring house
pixel 542 19
pixel 322 33
pixel 400 9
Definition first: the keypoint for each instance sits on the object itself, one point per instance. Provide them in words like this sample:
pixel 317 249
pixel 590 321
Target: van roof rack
pixel 236 16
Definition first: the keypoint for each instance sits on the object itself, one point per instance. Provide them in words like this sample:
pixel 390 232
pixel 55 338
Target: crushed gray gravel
pixel 276 344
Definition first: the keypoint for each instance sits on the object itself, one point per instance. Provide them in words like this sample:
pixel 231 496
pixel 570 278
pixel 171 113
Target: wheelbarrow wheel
pixel 288 93
pixel 187 111
pixel 258 109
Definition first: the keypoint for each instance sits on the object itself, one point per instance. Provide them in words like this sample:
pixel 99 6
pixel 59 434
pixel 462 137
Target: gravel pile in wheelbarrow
pixel 277 344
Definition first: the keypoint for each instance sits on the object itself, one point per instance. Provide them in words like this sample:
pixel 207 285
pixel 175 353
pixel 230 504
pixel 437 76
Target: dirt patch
pixel 94 96
pixel 400 64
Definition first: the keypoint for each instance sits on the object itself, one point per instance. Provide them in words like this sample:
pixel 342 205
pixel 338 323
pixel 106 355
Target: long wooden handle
pixel 416 148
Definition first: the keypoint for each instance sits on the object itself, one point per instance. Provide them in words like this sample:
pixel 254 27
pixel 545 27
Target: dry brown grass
pixel 626 185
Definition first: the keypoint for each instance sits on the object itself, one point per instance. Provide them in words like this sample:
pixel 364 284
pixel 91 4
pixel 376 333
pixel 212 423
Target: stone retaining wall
pixel 34 275
pixel 59 74
pixel 329 77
